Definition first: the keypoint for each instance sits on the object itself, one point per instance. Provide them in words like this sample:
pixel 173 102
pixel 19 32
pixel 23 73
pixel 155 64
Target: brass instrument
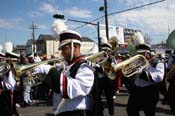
pixel 97 58
pixel 4 67
pixel 171 73
pixel 129 67
pixel 20 69
pixel 37 78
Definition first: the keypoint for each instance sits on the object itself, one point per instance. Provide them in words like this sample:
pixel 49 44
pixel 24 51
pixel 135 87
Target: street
pixel 42 109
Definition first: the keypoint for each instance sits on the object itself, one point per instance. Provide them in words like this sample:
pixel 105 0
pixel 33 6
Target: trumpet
pixel 129 67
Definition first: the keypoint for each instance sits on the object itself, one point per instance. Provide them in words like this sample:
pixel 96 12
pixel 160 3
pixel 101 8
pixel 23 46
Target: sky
pixel 16 17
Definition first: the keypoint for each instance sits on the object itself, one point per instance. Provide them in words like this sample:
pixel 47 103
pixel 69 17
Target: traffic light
pixel 101 8
pixel 57 16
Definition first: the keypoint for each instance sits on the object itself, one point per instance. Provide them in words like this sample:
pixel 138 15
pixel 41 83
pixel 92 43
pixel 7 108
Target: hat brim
pixel 142 51
pixel 67 41
pixel 106 48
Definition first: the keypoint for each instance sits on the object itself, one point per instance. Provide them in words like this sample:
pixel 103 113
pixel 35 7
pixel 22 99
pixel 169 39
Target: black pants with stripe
pixel 7 104
pixel 171 96
pixel 77 113
pixel 144 99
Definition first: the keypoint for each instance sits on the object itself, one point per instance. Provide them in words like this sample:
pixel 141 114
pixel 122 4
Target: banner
pixel 113 31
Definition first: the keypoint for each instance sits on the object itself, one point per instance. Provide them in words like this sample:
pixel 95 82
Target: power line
pixel 90 33
pixel 133 8
pixel 136 7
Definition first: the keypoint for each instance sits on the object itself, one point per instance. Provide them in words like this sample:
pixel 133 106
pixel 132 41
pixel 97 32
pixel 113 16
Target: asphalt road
pixel 42 109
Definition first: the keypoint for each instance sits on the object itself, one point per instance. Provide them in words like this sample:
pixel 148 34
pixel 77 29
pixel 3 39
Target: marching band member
pixel 118 75
pixel 42 69
pixel 145 92
pixel 171 87
pixel 40 72
pixel 7 95
pixel 72 91
pixel 163 86
pixel 105 83
pixel 27 81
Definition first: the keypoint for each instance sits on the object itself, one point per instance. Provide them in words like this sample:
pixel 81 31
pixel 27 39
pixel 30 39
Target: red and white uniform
pixel 155 75
pixel 9 82
pixel 75 93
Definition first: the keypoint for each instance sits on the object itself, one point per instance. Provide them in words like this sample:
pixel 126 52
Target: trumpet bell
pixel 97 58
pixel 114 42
pixel 130 66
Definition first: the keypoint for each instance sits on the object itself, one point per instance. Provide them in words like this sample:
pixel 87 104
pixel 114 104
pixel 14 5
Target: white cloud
pixel 5 24
pixel 78 12
pixel 98 1
pixel 45 8
pixel 48 8
pixel 8 24
pixel 41 26
pixel 135 2
pixel 155 19
pixel 35 14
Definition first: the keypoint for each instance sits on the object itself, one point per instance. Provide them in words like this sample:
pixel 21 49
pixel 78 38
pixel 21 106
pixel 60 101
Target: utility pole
pixel 33 27
pixel 106 19
pixel 98 34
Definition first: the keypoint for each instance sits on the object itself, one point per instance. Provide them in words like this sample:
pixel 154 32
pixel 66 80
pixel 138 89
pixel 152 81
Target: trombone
pixel 20 69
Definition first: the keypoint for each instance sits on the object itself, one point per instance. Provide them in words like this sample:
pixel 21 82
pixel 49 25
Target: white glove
pixel 92 64
pixel 139 70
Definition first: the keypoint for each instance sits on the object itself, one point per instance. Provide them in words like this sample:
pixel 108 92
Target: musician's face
pixel 66 51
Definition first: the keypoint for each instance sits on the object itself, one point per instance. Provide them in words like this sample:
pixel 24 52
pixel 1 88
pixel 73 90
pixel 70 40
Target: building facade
pixel 47 46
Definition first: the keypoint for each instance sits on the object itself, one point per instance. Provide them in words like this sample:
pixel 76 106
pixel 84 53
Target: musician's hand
pixel 28 74
pixel 139 70
pixel 92 64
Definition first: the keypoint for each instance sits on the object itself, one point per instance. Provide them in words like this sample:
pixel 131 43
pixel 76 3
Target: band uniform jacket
pixel 9 82
pixel 7 97
pixel 154 75
pixel 75 92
